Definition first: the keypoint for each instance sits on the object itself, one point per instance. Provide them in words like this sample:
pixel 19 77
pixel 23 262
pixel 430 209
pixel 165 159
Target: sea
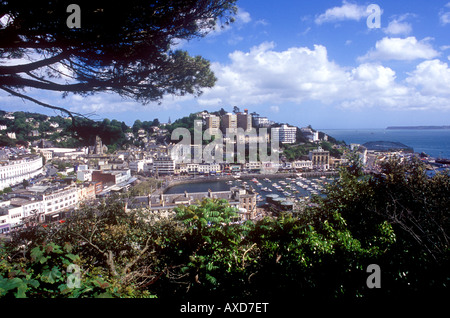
pixel 433 142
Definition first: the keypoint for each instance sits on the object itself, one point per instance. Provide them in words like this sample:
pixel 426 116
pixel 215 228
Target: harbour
pixel 292 187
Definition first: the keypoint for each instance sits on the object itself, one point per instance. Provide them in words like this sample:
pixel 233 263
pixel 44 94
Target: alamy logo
pixel 374 279
pixel 74 279
pixel 73 20
pixel 374 19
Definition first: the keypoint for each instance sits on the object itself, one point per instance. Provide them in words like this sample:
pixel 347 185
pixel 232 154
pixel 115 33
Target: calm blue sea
pixel 434 142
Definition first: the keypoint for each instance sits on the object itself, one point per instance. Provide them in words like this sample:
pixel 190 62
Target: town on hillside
pixel 50 166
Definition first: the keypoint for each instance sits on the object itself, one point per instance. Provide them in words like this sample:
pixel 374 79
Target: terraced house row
pixel 15 170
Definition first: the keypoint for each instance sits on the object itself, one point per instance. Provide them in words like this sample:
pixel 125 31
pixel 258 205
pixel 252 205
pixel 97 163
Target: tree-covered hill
pixel 60 131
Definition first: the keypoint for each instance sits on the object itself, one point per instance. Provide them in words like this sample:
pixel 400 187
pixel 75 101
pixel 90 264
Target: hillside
pixel 387 146
pixel 25 128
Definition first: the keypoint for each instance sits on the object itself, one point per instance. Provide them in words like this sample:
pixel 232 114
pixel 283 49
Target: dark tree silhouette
pixel 121 47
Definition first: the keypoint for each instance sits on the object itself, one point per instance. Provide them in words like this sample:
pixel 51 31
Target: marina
pixel 294 189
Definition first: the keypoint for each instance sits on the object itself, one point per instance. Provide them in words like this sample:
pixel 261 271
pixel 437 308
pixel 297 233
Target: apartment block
pixel 229 123
pixel 213 123
pixel 163 165
pixel 284 134
pixel 244 120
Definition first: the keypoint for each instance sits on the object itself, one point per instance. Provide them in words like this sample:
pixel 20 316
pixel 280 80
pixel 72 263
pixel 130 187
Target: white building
pixel 15 171
pixel 311 135
pixel 284 134
pixel 37 204
pixel 63 198
pixel 48 154
pixel 192 167
pixel 208 168
pixel 84 175
pixel 302 164
pixel 253 165
pixel 148 165
pixel 136 166
pixel 163 165
pixel 261 122
pixel 10 216
pixel 15 215
pixel 4 220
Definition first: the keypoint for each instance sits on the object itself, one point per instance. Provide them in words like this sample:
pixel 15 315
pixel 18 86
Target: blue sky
pixel 318 63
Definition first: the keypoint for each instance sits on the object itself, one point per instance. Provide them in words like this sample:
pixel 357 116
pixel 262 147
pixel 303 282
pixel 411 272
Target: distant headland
pixel 387 146
pixel 418 127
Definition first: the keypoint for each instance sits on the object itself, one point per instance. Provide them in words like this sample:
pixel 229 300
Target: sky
pixel 328 64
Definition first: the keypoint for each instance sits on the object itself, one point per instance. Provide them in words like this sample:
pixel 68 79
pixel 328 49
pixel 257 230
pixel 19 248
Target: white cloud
pixel 243 16
pixel 297 75
pixel 431 77
pixel 261 22
pixel 300 75
pixel 398 26
pixel 444 16
pixel 348 11
pixel 263 74
pixel 274 109
pixel 401 49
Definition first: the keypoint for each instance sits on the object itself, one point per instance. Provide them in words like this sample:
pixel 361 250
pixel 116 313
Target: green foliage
pixel 295 152
pixel 409 208
pixel 397 219
pixel 145 187
pixel 80 133
pixel 44 274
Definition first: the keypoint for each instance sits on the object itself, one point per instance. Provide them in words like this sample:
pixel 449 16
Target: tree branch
pixel 34 65
pixel 71 114
pixel 134 261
